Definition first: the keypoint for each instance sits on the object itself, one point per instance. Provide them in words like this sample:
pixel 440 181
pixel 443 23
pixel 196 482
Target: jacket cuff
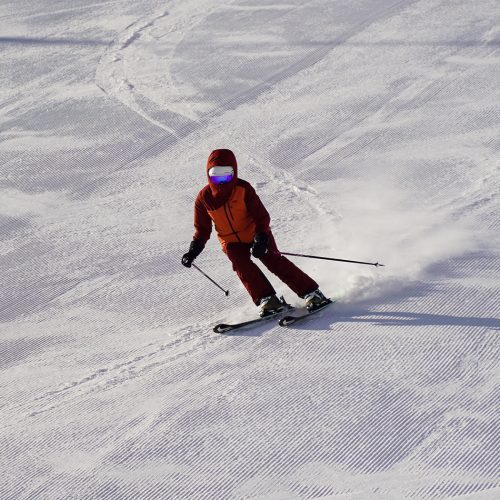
pixel 196 247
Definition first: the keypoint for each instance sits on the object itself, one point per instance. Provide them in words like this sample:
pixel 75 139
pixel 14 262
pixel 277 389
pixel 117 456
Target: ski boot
pixel 270 305
pixel 314 300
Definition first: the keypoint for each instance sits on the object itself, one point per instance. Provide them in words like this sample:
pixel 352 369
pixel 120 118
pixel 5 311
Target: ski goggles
pixel 221 175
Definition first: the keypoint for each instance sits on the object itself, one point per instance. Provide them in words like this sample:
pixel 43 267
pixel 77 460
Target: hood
pixel 222 158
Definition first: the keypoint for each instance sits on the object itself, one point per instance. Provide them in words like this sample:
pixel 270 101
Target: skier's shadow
pixel 396 318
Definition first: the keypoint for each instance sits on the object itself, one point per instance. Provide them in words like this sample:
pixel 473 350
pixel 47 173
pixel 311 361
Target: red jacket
pixel 234 208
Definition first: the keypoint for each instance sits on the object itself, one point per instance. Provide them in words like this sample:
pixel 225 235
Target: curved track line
pixel 186 128
pixel 108 377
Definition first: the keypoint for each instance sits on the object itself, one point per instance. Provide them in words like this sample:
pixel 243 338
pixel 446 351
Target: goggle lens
pixel 221 179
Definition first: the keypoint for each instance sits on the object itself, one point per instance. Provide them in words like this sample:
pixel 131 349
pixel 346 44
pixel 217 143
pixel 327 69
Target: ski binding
pixel 290 320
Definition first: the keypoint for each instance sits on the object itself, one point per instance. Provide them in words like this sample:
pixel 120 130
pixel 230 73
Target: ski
pixel 290 320
pixel 224 328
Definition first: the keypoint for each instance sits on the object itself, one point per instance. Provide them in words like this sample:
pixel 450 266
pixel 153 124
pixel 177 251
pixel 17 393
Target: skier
pixel 242 225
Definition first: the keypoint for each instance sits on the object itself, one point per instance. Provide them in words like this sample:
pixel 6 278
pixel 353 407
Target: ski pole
pixel 206 276
pixel 376 264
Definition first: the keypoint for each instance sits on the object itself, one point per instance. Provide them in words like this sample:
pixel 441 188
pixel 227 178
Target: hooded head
pixel 222 158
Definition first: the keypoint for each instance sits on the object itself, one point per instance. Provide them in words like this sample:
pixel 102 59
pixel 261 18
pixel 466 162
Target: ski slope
pixel 371 131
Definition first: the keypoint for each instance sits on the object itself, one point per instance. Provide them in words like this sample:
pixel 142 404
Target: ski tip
pixel 222 328
pixel 287 320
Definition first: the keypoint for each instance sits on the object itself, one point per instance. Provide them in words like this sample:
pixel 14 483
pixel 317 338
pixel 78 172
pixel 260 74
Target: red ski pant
pixel 254 280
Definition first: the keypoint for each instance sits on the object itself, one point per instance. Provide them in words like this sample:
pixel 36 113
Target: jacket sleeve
pixel 202 222
pixel 257 210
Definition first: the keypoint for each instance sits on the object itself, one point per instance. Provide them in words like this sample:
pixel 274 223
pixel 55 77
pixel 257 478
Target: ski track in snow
pixel 114 385
pixel 120 87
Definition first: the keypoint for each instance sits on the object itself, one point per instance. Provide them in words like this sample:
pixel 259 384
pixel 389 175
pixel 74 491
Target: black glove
pixel 259 246
pixel 194 250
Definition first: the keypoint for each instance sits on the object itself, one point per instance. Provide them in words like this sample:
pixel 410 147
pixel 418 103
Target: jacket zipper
pixel 230 213
pixel 229 220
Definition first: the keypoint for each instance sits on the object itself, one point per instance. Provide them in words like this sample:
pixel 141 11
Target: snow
pixel 370 130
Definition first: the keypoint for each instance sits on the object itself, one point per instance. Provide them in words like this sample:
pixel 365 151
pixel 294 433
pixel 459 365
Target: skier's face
pixel 222 174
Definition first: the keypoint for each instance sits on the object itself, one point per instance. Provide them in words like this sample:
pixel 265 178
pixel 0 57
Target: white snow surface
pixel 371 131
